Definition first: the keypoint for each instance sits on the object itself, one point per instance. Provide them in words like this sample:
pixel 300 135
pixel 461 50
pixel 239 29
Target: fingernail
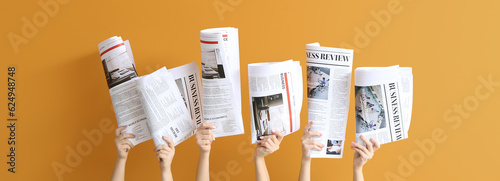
pixel 320 134
pixel 274 131
pixel 213 127
pixel 352 143
pixel 361 136
pixel 262 137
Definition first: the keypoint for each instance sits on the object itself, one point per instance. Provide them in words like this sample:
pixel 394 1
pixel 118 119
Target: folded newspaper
pixel 328 91
pixel 383 99
pixel 163 103
pixel 220 63
pixel 275 91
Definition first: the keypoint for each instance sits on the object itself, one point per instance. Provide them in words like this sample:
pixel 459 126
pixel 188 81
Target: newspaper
pixel 151 106
pixel 275 91
pixel 383 99
pixel 328 91
pixel 220 66
pixel 119 69
pixel 164 107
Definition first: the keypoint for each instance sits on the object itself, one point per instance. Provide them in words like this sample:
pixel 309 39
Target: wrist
pixel 165 172
pixel 258 158
pixel 204 152
pixel 357 169
pixel 121 159
pixel 306 159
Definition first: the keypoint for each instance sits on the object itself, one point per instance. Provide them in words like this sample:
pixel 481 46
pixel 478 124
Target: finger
pixel 361 147
pixel 126 135
pixel 313 134
pixel 129 143
pixel 359 152
pixel 169 142
pixel 274 140
pixel 203 142
pixel 376 145
pixel 368 143
pixel 308 126
pixel 321 145
pixel 205 132
pixel 119 130
pixel 162 154
pixel 266 145
pixel 207 125
pixel 161 147
pixel 207 142
pixel 279 135
pixel 316 147
pixel 264 138
pixel 124 146
pixel 205 137
pixel 212 136
pixel 307 142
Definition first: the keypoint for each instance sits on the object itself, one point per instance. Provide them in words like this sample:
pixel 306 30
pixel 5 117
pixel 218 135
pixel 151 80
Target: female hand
pixel 308 144
pixel 268 144
pixel 165 154
pixel 204 137
pixel 123 145
pixel 363 153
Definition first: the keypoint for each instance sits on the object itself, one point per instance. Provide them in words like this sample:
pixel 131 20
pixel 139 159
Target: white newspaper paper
pixel 383 99
pixel 119 69
pixel 151 106
pixel 275 91
pixel 220 66
pixel 328 91
pixel 165 109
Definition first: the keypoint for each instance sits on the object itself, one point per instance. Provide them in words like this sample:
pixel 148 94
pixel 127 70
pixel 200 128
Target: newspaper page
pixel 383 99
pixel 166 112
pixel 220 66
pixel 117 61
pixel 328 91
pixel 275 91
pixel 187 79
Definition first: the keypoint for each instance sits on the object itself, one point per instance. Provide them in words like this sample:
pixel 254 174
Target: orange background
pixel 61 88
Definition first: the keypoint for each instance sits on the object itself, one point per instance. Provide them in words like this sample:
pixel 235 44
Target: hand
pixel 363 153
pixel 204 137
pixel 268 144
pixel 165 154
pixel 123 145
pixel 308 144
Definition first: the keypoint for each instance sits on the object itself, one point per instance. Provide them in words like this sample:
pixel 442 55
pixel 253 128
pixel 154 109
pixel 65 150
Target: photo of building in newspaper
pixel 370 114
pixel 269 114
pixel 118 70
pixel 318 79
pixel 211 65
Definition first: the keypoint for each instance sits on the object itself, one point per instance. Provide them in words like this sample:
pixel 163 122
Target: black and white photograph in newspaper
pixel 318 79
pixel 370 114
pixel 118 70
pixel 211 65
pixel 179 84
pixel 333 147
pixel 269 114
